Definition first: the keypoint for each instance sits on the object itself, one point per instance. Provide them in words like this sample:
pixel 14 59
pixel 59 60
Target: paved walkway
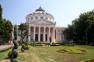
pixel 5 46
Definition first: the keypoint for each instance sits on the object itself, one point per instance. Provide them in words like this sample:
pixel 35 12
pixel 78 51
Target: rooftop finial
pixel 40 9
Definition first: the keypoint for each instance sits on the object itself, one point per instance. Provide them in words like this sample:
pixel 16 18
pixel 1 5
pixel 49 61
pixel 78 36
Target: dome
pixel 38 15
pixel 39 9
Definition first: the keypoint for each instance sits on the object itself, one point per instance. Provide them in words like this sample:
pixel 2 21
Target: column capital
pixel 44 27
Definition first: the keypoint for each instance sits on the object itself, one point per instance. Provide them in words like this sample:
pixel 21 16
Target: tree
pixel 23 27
pixel 5 29
pixel 0 13
pixel 15 32
pixel 80 30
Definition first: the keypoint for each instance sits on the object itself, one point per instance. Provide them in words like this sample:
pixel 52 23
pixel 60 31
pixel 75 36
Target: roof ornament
pixel 40 9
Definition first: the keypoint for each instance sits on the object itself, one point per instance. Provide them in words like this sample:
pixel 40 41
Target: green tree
pixel 15 32
pixel 0 13
pixel 5 32
pixel 23 27
pixel 80 30
pixel 5 29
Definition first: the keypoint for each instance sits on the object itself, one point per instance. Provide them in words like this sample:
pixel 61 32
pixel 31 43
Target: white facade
pixel 42 27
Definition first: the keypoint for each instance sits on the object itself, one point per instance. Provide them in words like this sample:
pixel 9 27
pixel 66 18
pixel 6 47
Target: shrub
pixel 9 54
pixel 15 45
pixel 26 43
pixel 14 60
pixel 72 51
pixel 26 47
pixel 22 48
pixel 19 42
pixel 33 43
pixel 14 53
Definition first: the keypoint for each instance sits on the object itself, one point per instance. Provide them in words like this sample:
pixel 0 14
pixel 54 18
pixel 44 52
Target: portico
pixel 41 34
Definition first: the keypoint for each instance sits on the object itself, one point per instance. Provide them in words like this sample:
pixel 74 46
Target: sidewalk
pixel 2 47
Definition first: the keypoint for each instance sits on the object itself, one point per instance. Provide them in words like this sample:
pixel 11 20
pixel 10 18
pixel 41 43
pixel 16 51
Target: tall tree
pixel 6 30
pixel 15 32
pixel 0 12
pixel 23 27
pixel 82 28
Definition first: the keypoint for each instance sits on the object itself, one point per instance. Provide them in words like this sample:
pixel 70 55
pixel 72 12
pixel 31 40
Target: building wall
pixel 59 34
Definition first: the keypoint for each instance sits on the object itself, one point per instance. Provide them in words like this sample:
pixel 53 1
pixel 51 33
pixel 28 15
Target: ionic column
pixel 39 35
pixel 44 35
pixel 34 34
pixel 48 35
pixel 29 34
pixel 53 34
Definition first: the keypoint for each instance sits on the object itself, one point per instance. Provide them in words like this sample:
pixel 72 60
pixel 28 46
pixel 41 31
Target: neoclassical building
pixel 42 27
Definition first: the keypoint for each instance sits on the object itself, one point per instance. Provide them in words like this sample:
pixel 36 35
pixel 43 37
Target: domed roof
pixel 40 9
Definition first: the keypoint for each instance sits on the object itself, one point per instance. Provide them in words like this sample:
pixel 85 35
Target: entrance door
pixel 36 37
pixel 41 37
pixel 45 37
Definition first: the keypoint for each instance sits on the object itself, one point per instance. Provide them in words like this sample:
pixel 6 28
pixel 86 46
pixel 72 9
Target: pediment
pixel 43 22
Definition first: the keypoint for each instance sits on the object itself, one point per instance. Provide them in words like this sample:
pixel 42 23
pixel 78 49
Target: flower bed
pixel 91 60
pixel 72 51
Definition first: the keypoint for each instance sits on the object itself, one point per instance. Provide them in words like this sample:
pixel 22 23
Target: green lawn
pixel 50 54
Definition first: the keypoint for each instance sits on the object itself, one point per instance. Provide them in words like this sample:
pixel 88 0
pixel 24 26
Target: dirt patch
pixel 70 58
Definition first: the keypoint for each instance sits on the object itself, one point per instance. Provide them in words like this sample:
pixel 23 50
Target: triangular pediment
pixel 43 22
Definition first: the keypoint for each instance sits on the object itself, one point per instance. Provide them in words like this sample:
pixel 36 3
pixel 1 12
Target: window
pixel 58 30
pixel 41 18
pixel 36 17
pixel 61 30
pixel 31 18
pixel 27 19
pixel 46 18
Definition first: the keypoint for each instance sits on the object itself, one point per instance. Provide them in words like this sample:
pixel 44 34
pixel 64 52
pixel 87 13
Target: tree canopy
pixel 82 29
pixel 5 29
pixel 0 12
pixel 23 27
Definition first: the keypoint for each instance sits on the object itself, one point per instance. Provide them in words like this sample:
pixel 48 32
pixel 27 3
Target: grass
pixel 3 55
pixel 50 54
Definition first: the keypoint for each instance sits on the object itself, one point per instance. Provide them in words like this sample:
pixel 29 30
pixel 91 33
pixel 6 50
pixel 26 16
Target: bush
pixel 14 53
pixel 26 43
pixel 9 54
pixel 19 42
pixel 22 48
pixel 15 45
pixel 26 47
pixel 91 44
pixel 72 51
pixel 33 43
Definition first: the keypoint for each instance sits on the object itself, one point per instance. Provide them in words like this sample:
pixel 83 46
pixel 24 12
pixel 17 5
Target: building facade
pixel 42 27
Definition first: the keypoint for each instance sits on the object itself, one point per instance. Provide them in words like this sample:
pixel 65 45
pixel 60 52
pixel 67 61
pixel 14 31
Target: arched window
pixel 36 17
pixel 41 18
pixel 46 18
pixel 27 19
pixel 31 18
